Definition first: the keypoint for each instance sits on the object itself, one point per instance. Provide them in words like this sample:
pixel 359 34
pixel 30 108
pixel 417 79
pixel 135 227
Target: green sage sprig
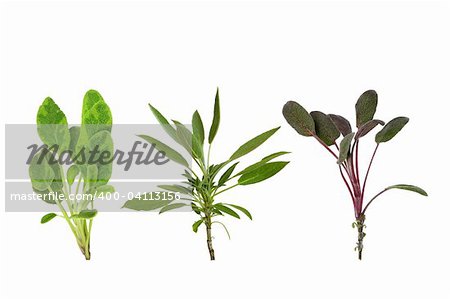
pixel 83 179
pixel 327 129
pixel 208 181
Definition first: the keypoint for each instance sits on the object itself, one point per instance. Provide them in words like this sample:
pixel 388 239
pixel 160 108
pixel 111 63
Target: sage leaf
pixel 40 172
pixel 164 123
pixel 344 147
pixel 172 207
pixel 47 217
pixel 262 162
pixel 104 189
pixel 72 173
pixel 243 210
pixel 226 175
pixel 342 124
pixel 189 141
pixel 86 214
pixel 325 128
pixel 261 173
pixel 298 118
pixel 365 107
pixel 52 125
pixel 196 225
pixel 197 127
pixel 169 152
pixel 216 119
pixel 176 188
pixel 145 202
pixel 391 129
pixel 226 210
pixel 252 144
pixel 367 127
pixel 408 188
pixel 96 115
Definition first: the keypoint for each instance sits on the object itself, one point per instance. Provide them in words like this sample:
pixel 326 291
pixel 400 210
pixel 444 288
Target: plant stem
pixel 208 225
pixel 325 146
pixel 361 234
pixel 368 170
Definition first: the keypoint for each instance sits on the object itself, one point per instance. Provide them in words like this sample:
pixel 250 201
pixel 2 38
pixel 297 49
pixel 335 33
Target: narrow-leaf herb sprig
pixel 326 129
pixel 210 180
pixel 73 190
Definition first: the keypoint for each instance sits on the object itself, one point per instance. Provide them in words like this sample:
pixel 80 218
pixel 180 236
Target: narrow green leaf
pixel 298 118
pixel 226 175
pixel 325 127
pixel 408 188
pixel 252 144
pixel 169 152
pixel 196 225
pixel 176 188
pixel 86 214
pixel 147 202
pixel 367 127
pixel 172 207
pixel 365 107
pixel 243 210
pixel 344 147
pixel 164 123
pixel 391 129
pixel 261 173
pixel 226 210
pixel 216 119
pixel 262 162
pixel 46 218
pixel 72 173
pixel 197 127
pixel 189 141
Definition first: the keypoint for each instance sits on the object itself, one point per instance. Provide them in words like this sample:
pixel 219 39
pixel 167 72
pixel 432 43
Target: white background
pixel 300 244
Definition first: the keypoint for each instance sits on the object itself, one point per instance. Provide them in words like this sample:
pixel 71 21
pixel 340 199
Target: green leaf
pixel 216 119
pixel 196 225
pixel 226 175
pixel 176 188
pixel 262 162
pixel 243 210
pixel 102 143
pixel 261 173
pixel 299 118
pixel 92 173
pixel 367 127
pixel 164 123
pixel 226 210
pixel 172 207
pixel 72 173
pixel 169 152
pixel 325 128
pixel 145 202
pixel 105 189
pixel 96 115
pixel 366 107
pixel 342 124
pixel 189 141
pixel 391 129
pixel 197 127
pixel 52 125
pixel 86 214
pixel 74 135
pixel 344 147
pixel 409 188
pixel 46 218
pixel 252 144
pixel 40 172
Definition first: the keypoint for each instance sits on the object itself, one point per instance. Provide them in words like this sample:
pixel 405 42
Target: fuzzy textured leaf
pixel 365 107
pixel 408 188
pixel 197 127
pixel 298 118
pixel 344 147
pixel 325 127
pixel 341 123
pixel 367 127
pixel 47 217
pixel 391 129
